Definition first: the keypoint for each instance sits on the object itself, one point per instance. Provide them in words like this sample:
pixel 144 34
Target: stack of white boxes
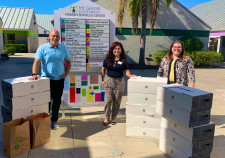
pixel 23 97
pixel 186 130
pixel 141 116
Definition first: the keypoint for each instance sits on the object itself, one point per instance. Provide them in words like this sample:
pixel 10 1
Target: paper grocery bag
pixel 16 137
pixel 40 130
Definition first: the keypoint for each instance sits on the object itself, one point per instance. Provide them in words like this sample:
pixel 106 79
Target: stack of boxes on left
pixel 23 97
pixel 25 114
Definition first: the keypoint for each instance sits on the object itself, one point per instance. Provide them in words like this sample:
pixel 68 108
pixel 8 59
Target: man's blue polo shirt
pixel 52 60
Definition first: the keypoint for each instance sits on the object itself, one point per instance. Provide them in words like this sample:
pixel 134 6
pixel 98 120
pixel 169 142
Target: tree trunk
pixel 143 33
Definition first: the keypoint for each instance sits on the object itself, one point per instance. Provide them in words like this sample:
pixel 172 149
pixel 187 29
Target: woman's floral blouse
pixel 182 69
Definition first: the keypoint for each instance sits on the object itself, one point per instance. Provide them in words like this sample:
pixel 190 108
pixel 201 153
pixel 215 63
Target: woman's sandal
pixel 113 122
pixel 105 123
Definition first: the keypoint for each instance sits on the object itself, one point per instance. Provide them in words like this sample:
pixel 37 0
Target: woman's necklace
pixel 115 60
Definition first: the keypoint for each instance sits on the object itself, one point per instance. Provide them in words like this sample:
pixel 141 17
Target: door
pixel 222 50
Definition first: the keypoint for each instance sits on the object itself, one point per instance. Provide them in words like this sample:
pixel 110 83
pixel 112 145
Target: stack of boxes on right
pixel 186 130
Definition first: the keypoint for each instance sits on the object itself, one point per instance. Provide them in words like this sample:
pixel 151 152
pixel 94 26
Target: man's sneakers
pixel 54 125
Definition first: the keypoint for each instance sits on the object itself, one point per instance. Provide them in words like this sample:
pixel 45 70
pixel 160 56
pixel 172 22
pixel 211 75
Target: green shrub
pixel 205 57
pixel 198 57
pixel 158 55
pixel 15 48
pixel 192 43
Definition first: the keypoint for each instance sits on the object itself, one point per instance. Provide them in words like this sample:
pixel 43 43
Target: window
pixel 213 44
pixel 11 38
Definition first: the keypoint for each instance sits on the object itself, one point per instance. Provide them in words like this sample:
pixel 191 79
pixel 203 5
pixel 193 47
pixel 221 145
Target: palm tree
pixel 139 8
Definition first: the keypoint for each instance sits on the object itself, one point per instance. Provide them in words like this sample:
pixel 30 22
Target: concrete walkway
pixel 82 135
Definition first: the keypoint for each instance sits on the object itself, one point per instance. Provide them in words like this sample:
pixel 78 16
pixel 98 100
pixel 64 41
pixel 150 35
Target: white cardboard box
pixel 142 132
pixel 9 114
pixel 184 97
pixel 145 84
pixel 143 121
pixel 27 100
pixel 188 119
pixel 141 98
pixel 141 110
pixel 192 134
pixel 171 150
pixel 21 86
pixel 203 147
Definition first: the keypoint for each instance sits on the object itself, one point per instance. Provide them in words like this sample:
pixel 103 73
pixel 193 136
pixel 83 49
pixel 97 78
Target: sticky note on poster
pixel 102 96
pixel 72 94
pixel 78 80
pixel 62 25
pixel 93 79
pixel 66 84
pixel 87 21
pixel 84 83
pixel 72 79
pixel 101 88
pixel 84 78
pixel 90 96
pixel 84 92
pixel 62 21
pixel 65 99
pixel 78 98
pixel 72 84
pixel 97 97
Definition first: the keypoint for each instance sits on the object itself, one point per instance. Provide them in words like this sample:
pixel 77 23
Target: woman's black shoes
pixel 113 122
pixel 105 123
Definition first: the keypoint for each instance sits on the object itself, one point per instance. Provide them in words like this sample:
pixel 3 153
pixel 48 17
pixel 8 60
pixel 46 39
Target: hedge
pixel 15 48
pixel 198 57
pixel 192 44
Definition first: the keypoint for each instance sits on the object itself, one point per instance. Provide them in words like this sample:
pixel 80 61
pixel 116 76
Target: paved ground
pixel 81 134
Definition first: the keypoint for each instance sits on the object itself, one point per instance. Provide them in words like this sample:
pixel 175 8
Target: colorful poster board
pixel 83 90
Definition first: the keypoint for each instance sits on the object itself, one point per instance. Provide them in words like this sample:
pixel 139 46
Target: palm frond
pixel 120 15
pixel 154 5
pixel 134 11
pixel 134 25
pixel 168 2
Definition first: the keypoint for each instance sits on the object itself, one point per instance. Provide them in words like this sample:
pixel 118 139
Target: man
pixel 51 56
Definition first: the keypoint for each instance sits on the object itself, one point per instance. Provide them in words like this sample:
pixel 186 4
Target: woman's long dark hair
pixel 169 55
pixel 110 56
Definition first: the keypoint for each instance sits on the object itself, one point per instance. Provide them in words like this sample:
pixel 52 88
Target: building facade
pixel 19 27
pixel 45 24
pixel 213 14
pixel 171 24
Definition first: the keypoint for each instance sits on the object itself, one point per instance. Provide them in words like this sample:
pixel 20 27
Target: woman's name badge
pixel 119 62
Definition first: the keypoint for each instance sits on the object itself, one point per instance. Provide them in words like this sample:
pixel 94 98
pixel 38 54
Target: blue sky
pixel 48 6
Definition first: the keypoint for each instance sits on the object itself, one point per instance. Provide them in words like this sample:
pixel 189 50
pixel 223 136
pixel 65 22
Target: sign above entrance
pixel 85 9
